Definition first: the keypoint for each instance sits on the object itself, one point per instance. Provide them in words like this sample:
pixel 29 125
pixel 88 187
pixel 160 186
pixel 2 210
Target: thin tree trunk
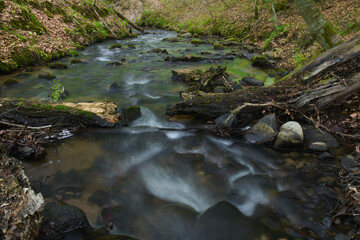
pixel 319 28
pixel 256 9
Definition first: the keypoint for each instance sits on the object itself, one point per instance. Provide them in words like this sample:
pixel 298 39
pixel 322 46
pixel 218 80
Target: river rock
pixel 115 45
pixel 263 131
pixel 131 46
pixel 326 156
pixel 46 75
pixel 58 65
pixel 259 61
pixel 158 50
pixel 172 40
pixel 252 81
pixel 61 218
pixel 183 75
pixel 224 221
pixel 9 82
pixel 189 58
pixel 318 147
pixel 132 113
pixel 77 61
pixel 218 46
pixel 117 63
pixel 231 123
pixel 290 136
pixel 231 42
pixel 185 35
pixel 197 41
pixel 21 209
pixel 114 87
pixel 348 162
pixel 104 234
pixel 311 135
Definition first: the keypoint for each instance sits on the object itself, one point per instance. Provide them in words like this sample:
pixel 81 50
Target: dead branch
pixel 23 126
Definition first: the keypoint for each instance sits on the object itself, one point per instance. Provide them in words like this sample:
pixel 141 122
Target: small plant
pixel 57 88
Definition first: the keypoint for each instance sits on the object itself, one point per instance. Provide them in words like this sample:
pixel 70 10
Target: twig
pixel 22 126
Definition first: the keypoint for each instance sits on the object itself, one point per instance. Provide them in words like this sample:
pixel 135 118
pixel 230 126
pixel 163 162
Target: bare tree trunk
pixel 319 28
pixel 256 9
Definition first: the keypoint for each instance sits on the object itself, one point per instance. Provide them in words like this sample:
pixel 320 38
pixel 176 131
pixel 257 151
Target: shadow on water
pixel 153 180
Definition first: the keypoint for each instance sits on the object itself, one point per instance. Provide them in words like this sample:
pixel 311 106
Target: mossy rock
pixel 46 75
pixel 218 46
pixel 77 61
pixel 6 68
pixel 259 61
pixel 9 82
pixel 58 65
pixel 231 42
pixel 80 47
pixel 27 21
pixel 115 45
pixel 132 46
pixel 197 41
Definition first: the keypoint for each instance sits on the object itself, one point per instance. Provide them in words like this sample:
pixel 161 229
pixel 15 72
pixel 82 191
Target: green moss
pixel 115 45
pixel 61 108
pixel 79 47
pixel 74 53
pixel 58 65
pixel 7 67
pixel 9 82
pixel 27 21
pixel 2 5
pixel 197 41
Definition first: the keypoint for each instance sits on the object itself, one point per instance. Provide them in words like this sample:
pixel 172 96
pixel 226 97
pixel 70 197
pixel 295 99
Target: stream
pixel 156 179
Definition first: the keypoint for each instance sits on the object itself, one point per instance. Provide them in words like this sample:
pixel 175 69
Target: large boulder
pixel 313 135
pixel 263 131
pixel 290 136
pixel 61 218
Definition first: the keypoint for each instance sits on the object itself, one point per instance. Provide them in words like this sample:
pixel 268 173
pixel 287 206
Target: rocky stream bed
pixel 106 163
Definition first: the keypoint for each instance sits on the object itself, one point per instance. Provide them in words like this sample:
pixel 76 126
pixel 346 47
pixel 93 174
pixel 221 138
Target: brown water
pixel 154 183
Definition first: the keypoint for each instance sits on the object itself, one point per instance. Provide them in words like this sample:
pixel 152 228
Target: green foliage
pixel 27 21
pixel 73 53
pixel 299 58
pixel 56 90
pixel 154 19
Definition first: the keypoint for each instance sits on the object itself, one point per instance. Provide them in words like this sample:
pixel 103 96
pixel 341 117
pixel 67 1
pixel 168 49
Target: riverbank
pixel 291 42
pixel 33 32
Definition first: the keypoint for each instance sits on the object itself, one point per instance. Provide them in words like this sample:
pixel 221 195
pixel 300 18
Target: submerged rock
pixel 252 81
pixel 263 131
pixel 117 63
pixel 158 50
pixel 184 59
pixel 46 75
pixel 115 45
pixel 197 41
pixel 77 61
pixel 104 234
pixel 172 40
pixel 131 46
pixel 58 65
pixel 61 218
pixel 9 82
pixel 132 113
pixel 290 136
pixel 114 87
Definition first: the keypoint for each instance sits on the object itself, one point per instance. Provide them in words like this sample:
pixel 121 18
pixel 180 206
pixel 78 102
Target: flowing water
pixel 154 179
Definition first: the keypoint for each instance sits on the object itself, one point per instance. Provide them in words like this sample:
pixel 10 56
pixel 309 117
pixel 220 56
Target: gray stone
pixel 318 147
pixel 348 162
pixel 290 136
pixel 259 61
pixel 114 87
pixel 341 236
pixel 326 156
pixel 263 131
pixel 252 81
pixel 231 123
pixel 311 134
pixel 186 35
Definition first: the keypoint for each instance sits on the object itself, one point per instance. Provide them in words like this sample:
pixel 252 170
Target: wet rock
pixel 205 53
pixel 348 162
pixel 58 65
pixel 326 156
pixel 61 218
pixel 263 131
pixel 114 87
pixel 318 147
pixel 252 81
pixel 117 63
pixel 185 35
pixel 184 59
pixel 231 123
pixel 225 221
pixel 197 41
pixel 172 40
pixel 219 89
pixel 231 42
pixel 77 61
pixel 21 209
pixel 104 234
pixel 131 46
pixel 115 45
pixel 9 82
pixel 236 87
pixel 341 236
pixel 282 72
pixel 183 75
pixel 290 136
pixel 158 50
pixel 259 61
pixel 218 46
pixel 132 113
pixel 46 75
pixel 311 135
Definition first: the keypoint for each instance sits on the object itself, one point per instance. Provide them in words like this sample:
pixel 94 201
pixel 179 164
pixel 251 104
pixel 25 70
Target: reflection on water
pixel 156 180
